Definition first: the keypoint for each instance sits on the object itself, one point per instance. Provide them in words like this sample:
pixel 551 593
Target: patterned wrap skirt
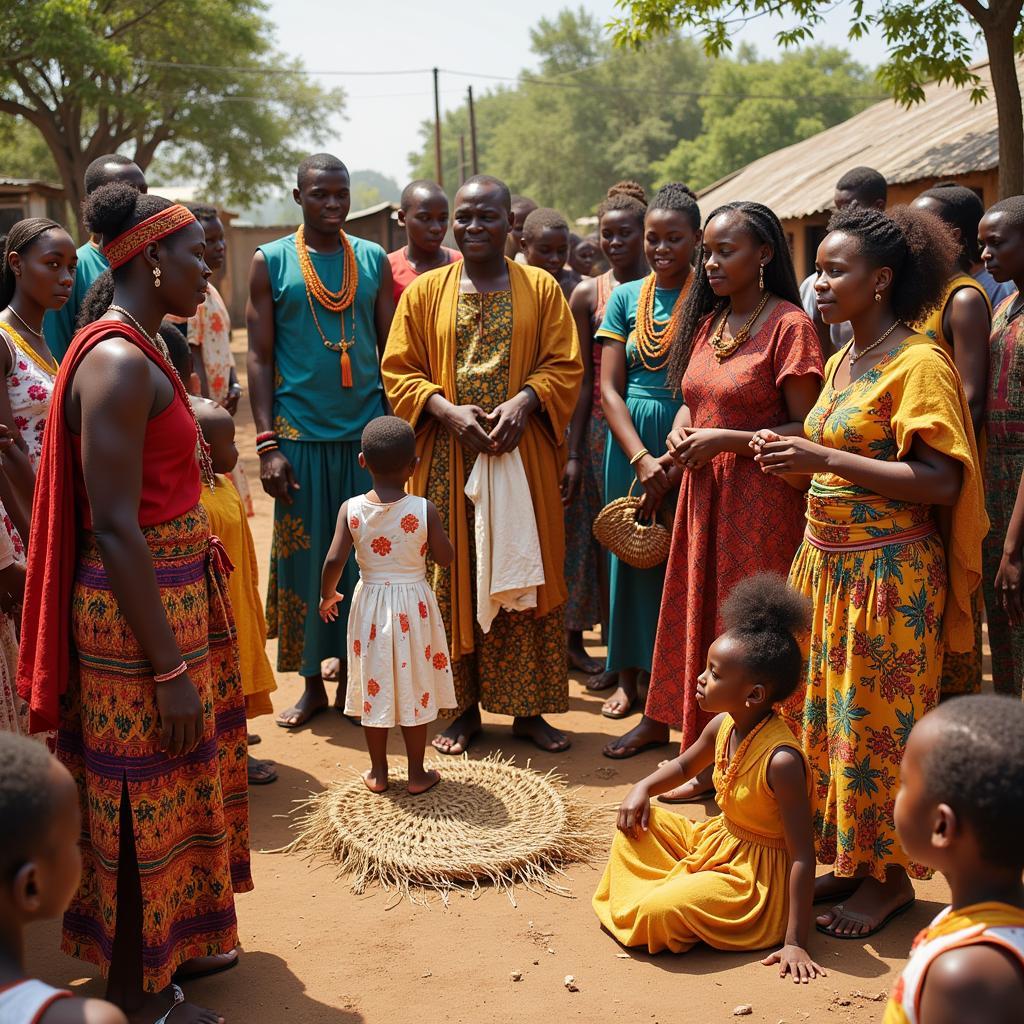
pixel 190 813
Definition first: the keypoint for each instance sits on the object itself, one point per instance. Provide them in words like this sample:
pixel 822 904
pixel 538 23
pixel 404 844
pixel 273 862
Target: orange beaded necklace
pixel 334 302
pixel 654 337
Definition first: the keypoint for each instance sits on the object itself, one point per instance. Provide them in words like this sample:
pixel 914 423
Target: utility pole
pixel 462 159
pixel 472 131
pixel 438 172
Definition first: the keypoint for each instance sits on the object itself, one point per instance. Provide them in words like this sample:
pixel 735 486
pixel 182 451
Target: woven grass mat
pixel 486 821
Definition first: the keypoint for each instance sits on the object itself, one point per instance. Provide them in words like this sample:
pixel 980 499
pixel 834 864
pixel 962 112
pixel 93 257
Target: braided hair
pixel 679 197
pixel 701 301
pixel 20 239
pixel 960 208
pixel 628 196
pixel 767 615
pixel 917 246
pixel 110 211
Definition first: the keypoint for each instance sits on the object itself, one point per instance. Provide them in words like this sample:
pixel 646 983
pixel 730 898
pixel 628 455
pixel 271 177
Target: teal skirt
pixel 328 474
pixel 636 593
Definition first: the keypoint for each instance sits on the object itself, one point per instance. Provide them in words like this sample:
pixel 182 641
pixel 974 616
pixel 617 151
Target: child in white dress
pixel 398 663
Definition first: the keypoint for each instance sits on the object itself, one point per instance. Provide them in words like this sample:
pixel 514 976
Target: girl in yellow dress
pixel 744 879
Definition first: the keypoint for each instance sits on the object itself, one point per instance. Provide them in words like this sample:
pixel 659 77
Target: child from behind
pixel 398 664
pixel 40 867
pixel 959 810
pixel 743 880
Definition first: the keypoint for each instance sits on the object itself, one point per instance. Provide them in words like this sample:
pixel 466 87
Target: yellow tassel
pixel 346 370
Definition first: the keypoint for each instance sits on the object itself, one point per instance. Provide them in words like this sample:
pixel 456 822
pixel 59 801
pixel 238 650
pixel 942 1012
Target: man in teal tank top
pixel 314 383
pixel 59 324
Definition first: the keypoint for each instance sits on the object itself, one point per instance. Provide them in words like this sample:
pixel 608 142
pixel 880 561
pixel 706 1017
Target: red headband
pixel 131 242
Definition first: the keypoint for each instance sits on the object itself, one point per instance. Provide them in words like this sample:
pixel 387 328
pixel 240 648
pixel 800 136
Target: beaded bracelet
pixel 639 455
pixel 166 677
pixel 267 435
pixel 267 447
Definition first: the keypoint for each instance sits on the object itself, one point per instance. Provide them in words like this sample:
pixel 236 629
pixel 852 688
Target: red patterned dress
pixel 732 520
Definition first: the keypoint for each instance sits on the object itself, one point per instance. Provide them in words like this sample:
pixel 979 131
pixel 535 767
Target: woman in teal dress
pixel 639 324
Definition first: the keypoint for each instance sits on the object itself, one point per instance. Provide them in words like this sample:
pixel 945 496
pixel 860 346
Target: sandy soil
pixel 315 953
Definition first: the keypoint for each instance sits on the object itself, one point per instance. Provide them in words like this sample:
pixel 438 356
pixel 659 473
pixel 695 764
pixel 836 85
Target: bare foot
pixel 308 706
pixel 620 703
pixel 171 1004
pixel 205 966
pixel 253 739
pixel 543 736
pixel 458 736
pixel 829 887
pixel 376 782
pixel 260 773
pixel 870 908
pixel 602 682
pixel 330 670
pixel 420 782
pixel 583 662
pixel 646 734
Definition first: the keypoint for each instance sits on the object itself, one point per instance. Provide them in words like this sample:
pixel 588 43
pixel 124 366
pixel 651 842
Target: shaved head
pixel 422 187
pixel 482 183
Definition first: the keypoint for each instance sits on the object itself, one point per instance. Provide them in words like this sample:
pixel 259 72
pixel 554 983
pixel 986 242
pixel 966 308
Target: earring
pixel 878 296
pixel 746 703
pixel 760 277
pixel 156 277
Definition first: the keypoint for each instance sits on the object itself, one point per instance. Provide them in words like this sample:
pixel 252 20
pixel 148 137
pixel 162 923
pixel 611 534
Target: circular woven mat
pixel 485 821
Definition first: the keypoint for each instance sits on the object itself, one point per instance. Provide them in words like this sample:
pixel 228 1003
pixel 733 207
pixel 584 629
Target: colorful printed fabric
pixel 399 670
pixel 191 814
pixel 876 572
pixel 635 594
pixel 210 331
pixel 328 475
pixel 309 402
pixel 730 515
pixel 1004 466
pixel 519 667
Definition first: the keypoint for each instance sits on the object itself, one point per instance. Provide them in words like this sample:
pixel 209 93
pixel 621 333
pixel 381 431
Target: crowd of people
pixel 838 462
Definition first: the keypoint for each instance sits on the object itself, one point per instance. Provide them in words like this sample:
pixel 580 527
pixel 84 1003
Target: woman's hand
pixel 181 716
pixel 695 447
pixel 465 424
pixel 277 476
pixel 650 472
pixel 329 606
pixel 1008 580
pixel 788 455
pixel 635 812
pixel 572 479
pixel 509 419
pixel 795 960
pixel 231 399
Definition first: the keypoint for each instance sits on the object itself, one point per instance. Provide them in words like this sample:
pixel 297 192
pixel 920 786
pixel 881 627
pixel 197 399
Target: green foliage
pixel 24 153
pixel 93 76
pixel 809 91
pixel 596 114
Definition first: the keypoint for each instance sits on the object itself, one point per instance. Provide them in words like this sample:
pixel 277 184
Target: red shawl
pixel 45 659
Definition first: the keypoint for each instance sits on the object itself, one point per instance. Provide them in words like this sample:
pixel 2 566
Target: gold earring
pixel 156 277
pixel 746 703
pixel 878 296
pixel 760 278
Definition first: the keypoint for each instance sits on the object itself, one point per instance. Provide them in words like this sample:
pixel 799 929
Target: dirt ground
pixel 315 953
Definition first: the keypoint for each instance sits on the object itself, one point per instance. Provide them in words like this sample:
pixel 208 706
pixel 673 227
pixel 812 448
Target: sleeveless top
pixel 390 540
pixel 171 480
pixel 994 924
pixel 402 272
pixel 309 402
pixel 931 326
pixel 25 1002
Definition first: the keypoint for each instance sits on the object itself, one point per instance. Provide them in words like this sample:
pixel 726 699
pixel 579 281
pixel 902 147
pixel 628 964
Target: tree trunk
pixel 1006 86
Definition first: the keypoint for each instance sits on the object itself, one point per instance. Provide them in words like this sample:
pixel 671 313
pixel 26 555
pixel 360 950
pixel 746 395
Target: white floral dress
pixel 30 390
pixel 399 671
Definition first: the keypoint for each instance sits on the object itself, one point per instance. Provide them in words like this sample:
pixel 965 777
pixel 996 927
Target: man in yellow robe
pixel 483 358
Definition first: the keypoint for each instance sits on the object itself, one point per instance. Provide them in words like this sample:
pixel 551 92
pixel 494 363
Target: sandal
pixel 225 962
pixel 179 998
pixel 260 773
pixel 632 751
pixel 852 915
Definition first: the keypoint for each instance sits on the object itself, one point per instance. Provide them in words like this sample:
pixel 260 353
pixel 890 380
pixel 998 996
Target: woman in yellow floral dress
pixel 892 551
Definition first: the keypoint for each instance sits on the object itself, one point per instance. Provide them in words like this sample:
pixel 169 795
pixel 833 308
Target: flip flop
pixel 253 770
pixel 229 963
pixel 253 739
pixel 633 751
pixel 179 998
pixel 303 719
pixel 616 715
pixel 852 915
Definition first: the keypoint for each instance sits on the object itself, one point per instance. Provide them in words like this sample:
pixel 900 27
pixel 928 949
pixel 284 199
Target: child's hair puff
pixel 388 444
pixel 768 616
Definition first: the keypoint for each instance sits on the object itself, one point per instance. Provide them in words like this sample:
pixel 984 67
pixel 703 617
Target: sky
pixel 383 112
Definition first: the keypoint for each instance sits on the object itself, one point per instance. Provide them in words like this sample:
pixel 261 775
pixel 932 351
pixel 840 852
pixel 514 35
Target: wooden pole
pixel 462 159
pixel 438 171
pixel 472 132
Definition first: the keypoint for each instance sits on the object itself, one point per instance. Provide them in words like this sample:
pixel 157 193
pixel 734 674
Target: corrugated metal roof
pixel 30 183
pixel 944 135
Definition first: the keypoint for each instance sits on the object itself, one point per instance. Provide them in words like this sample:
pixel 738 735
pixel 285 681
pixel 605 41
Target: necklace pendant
pixel 346 369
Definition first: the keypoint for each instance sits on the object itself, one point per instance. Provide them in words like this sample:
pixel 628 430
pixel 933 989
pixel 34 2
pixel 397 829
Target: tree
pixel 98 76
pixel 741 124
pixel 929 40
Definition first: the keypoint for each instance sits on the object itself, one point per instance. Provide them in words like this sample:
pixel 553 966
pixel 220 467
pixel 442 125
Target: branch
pixel 145 151
pixel 979 13
pixel 131 22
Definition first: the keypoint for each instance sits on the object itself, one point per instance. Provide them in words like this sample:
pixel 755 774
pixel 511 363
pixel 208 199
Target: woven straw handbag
pixel 641 545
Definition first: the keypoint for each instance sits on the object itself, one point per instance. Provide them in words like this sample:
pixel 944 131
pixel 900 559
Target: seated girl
pixel 744 879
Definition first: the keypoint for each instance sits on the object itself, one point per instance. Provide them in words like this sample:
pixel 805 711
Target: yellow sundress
pixel 227 517
pixel 723 881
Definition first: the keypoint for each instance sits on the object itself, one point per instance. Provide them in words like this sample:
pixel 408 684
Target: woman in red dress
pixel 746 354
